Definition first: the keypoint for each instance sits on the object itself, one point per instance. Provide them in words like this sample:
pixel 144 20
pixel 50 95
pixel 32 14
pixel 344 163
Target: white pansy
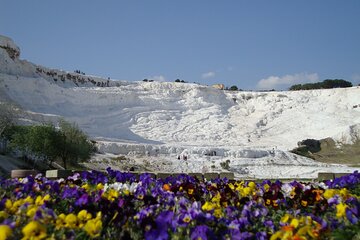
pixel 24 180
pixel 323 185
pixel 286 189
pixel 60 180
pixel 122 186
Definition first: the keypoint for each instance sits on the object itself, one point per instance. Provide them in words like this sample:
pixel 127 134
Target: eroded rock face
pixel 10 47
pixel 10 62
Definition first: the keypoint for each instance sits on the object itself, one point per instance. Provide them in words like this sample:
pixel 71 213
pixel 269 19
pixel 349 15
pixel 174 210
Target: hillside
pixel 163 120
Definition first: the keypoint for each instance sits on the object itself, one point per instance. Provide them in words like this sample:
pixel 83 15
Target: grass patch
pixel 348 154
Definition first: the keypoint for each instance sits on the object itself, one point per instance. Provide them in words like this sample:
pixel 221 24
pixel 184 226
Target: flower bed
pixel 123 206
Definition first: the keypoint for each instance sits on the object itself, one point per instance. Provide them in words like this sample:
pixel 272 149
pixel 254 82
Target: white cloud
pixel 208 75
pixel 159 78
pixel 287 80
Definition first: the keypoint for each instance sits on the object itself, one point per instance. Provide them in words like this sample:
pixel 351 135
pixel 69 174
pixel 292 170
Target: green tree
pixel 68 143
pixel 75 145
pixel 336 83
pixel 233 88
pixel 7 117
pixel 43 141
pixel 326 84
pixel 17 136
pixel 39 141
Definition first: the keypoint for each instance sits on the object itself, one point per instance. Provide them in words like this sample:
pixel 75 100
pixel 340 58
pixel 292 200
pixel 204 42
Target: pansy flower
pixel 34 231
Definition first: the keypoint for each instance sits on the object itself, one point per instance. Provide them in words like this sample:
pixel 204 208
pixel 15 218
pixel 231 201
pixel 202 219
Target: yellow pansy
pixel 216 198
pixel 294 222
pixel 344 193
pixel 266 187
pixel 29 200
pixel 208 206
pixel 41 200
pixel 93 227
pixel 111 194
pixel 47 197
pixel 100 186
pixel 285 218
pixel 8 204
pixel 71 221
pixel 252 185
pixel 83 216
pixel 3 215
pixel 31 211
pixel 292 194
pixel 246 191
pixel 34 231
pixel 288 234
pixel 329 193
pixel 304 203
pixel 5 232
pixel 341 210
pixel 17 204
pixel 86 186
pixel 60 221
pixel 277 235
pixel 218 213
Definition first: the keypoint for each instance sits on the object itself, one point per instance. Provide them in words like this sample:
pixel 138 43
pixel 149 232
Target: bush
pixel 225 165
pixel 326 84
pixel 75 145
pixel 45 142
pixel 7 117
pixel 233 88
pixel 178 81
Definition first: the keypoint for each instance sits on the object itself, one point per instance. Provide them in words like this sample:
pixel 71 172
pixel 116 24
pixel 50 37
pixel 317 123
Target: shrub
pixel 233 88
pixel 68 143
pixel 326 84
pixel 225 165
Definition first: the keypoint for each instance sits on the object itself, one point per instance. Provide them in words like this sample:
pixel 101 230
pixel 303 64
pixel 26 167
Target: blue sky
pixel 251 44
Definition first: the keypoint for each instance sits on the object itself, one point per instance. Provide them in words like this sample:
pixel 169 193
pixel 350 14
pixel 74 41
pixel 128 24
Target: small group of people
pixel 183 157
pixel 74 77
pixel 211 153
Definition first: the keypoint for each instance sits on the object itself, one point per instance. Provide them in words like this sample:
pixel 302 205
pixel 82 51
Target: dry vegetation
pixel 345 154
